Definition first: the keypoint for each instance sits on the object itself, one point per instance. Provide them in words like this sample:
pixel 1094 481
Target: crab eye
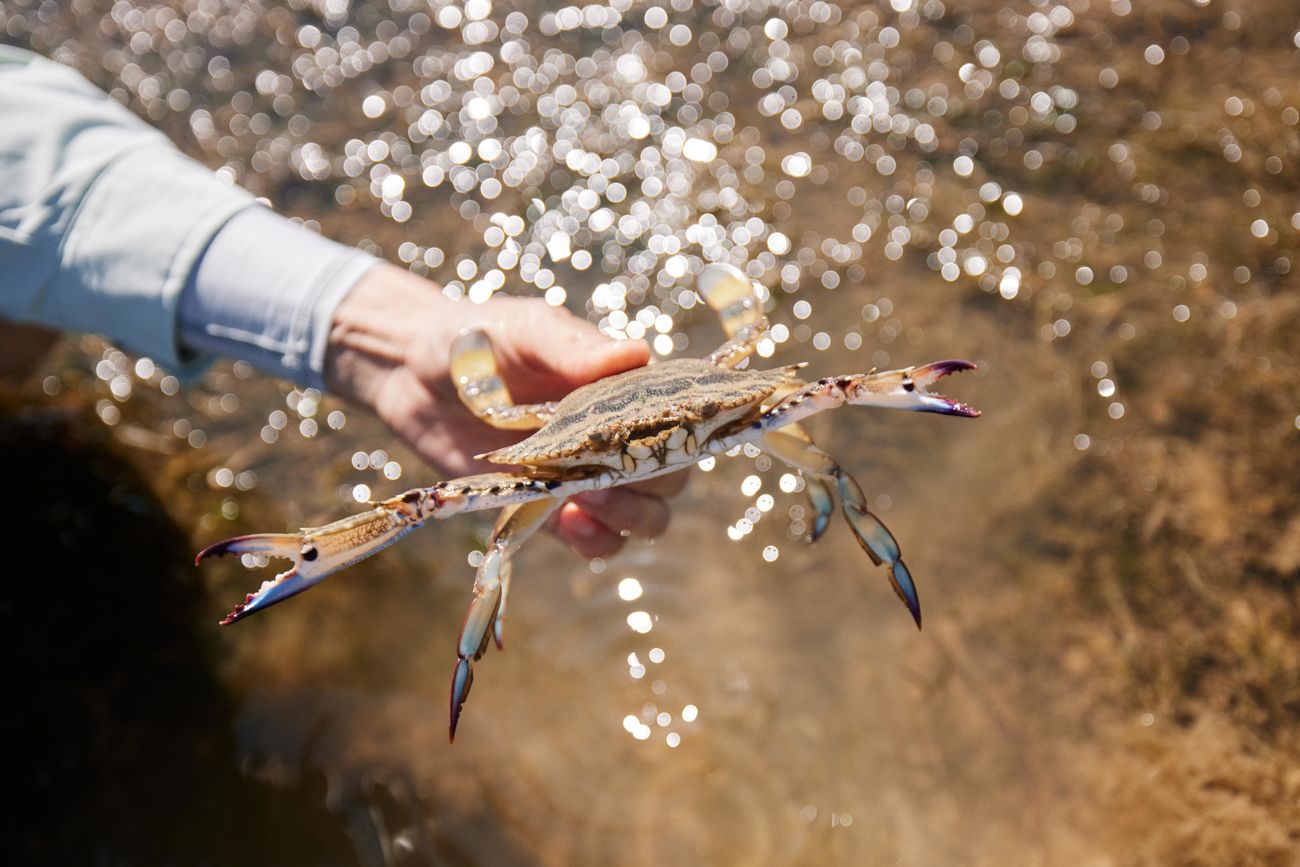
pixel 908 385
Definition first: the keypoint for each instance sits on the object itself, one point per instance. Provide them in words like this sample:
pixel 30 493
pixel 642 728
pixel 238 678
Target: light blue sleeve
pixel 101 218
pixel 265 291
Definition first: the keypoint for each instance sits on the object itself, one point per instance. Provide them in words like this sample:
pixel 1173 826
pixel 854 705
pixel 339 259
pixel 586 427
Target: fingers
pixel 591 355
pixel 576 348
pixel 596 524
pixel 583 533
pixel 546 352
pixel 626 512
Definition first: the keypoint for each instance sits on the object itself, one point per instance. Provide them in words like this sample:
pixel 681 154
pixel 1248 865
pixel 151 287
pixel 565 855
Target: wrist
pixel 374 328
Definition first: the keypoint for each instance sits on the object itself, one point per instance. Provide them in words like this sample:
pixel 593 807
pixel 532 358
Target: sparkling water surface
pixel 1056 191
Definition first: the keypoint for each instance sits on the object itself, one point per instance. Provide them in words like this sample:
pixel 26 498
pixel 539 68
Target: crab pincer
pixel 927 375
pixel 317 552
pixel 294 580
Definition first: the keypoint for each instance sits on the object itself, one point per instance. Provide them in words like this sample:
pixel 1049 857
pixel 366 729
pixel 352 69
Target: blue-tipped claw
pixel 478 629
pixel 879 543
pixel 901 579
pixel 461 680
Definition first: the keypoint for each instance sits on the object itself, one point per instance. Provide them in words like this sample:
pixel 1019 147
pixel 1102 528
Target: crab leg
pixel 481 389
pixel 730 293
pixel 823 504
pixel 318 552
pixel 818 494
pixel 491 587
pixel 871 533
pixel 815 489
pixel 890 389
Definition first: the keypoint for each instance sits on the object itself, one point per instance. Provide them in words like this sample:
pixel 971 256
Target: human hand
pixel 389 351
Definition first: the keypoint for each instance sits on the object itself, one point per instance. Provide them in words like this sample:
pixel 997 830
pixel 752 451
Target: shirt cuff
pixel 265 292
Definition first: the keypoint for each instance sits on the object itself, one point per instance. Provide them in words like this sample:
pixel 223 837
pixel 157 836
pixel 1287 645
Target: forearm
pixel 101 218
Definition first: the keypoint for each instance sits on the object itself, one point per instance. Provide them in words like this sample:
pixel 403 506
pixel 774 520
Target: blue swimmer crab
pixel 634 425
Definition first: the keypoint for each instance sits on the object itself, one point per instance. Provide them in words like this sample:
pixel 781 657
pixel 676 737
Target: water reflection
pixel 1093 199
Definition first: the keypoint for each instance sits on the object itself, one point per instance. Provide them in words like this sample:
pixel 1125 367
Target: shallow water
pixel 1095 201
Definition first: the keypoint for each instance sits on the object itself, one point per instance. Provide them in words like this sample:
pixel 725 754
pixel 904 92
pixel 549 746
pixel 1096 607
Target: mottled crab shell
pixel 600 418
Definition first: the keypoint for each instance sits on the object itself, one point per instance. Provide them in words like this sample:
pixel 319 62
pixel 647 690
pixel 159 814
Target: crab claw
pixel 316 552
pixel 294 580
pixel 907 389
pixel 928 374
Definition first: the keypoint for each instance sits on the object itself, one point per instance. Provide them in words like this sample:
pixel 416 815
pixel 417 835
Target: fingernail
pixel 586 527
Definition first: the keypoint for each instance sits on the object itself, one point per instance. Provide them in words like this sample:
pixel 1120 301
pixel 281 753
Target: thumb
pixel 594 355
pixel 577 353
